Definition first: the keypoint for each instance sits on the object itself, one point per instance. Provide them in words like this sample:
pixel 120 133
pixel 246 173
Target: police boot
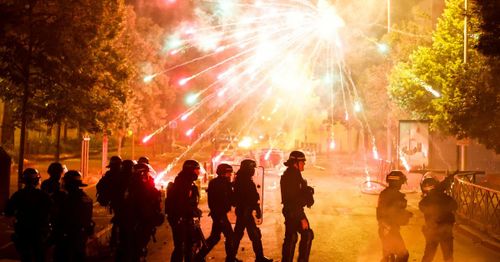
pixel 233 260
pixel 200 256
pixel 263 259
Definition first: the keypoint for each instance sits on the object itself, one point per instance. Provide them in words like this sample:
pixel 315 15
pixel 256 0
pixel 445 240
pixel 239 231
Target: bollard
pixel 84 159
pixel 5 162
pixel 104 157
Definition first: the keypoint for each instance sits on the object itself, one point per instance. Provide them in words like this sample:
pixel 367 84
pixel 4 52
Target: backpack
pixel 169 200
pixel 103 190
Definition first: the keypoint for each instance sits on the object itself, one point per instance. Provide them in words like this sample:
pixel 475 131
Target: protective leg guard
pixel 289 247
pixel 306 238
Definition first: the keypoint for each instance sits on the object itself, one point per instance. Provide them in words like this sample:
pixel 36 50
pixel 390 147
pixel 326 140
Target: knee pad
pixel 308 234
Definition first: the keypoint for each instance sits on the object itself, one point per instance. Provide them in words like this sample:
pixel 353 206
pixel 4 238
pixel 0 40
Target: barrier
pixel 477 205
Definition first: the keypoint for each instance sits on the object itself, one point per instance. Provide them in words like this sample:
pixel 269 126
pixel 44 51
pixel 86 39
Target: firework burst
pixel 276 61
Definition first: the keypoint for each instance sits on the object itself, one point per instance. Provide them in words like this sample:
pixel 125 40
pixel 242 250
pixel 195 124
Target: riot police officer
pixel 110 190
pixel 246 201
pixel 295 194
pixel 30 206
pixel 139 215
pixel 391 215
pixel 52 184
pixel 439 214
pixel 181 207
pixel 220 199
pixel 74 223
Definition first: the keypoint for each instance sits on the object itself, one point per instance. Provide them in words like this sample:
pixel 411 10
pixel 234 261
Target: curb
pixel 479 237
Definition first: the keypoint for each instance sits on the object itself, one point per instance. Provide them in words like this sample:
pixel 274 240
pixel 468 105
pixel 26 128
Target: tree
pixel 436 84
pixel 489 42
pixel 60 63
pixel 148 103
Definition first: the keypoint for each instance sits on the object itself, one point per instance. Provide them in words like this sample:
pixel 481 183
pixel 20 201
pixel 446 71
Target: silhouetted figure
pixel 295 195
pixel 391 215
pixel 30 206
pixel 141 214
pixel 74 224
pixel 53 184
pixel 110 193
pixel 439 213
pixel 119 215
pixel 220 198
pixel 145 160
pixel 181 207
pixel 246 201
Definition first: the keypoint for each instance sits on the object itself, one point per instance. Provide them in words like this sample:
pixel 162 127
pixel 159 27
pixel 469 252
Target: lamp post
pixel 462 146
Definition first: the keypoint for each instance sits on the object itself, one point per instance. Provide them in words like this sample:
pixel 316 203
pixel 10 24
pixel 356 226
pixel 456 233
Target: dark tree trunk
pixel 8 127
pixel 58 142
pixel 65 134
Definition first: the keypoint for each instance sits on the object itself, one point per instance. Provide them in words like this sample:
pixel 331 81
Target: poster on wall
pixel 413 144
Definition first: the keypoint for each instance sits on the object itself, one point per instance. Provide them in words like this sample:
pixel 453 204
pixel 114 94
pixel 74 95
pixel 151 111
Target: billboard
pixel 413 144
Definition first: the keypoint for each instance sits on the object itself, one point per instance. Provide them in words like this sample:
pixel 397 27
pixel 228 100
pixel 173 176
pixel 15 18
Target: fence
pixel 478 205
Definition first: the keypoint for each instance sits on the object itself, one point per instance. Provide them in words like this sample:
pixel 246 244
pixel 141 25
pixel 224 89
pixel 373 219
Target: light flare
pixel 147 138
pixel 404 161
pixel 148 78
pixel 190 132
pixel 246 142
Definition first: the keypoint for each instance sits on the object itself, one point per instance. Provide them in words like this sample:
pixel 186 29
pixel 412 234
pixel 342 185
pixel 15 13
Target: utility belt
pixel 293 213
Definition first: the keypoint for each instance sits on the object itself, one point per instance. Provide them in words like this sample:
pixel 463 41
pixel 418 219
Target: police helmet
pixel 395 177
pixel 248 164
pixel 141 169
pixel 128 165
pixel 295 156
pixel 31 176
pixel 223 169
pixel 115 161
pixel 73 178
pixel 143 159
pixel 56 169
pixel 190 165
pixel 428 184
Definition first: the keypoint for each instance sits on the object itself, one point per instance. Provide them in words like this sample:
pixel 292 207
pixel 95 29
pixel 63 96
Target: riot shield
pixel 258 179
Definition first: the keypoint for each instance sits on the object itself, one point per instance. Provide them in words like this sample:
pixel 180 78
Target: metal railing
pixel 477 204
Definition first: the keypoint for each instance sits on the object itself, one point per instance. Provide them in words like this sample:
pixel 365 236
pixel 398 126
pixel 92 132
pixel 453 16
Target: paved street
pixel 343 220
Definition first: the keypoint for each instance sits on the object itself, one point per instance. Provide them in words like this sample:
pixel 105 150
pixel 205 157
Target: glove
pixel 197 212
pixel 258 213
pixel 309 199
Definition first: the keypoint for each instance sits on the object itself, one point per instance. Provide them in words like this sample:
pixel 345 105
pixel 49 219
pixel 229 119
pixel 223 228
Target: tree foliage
pixel 65 51
pixel 149 103
pixel 489 40
pixel 464 101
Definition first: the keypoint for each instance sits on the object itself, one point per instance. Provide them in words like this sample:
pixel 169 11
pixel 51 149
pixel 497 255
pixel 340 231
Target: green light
pixel 191 99
pixel 383 48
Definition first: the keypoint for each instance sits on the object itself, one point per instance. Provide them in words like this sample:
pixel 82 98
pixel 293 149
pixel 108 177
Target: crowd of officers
pixel 59 215
pixel 437 207
pixel 55 215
